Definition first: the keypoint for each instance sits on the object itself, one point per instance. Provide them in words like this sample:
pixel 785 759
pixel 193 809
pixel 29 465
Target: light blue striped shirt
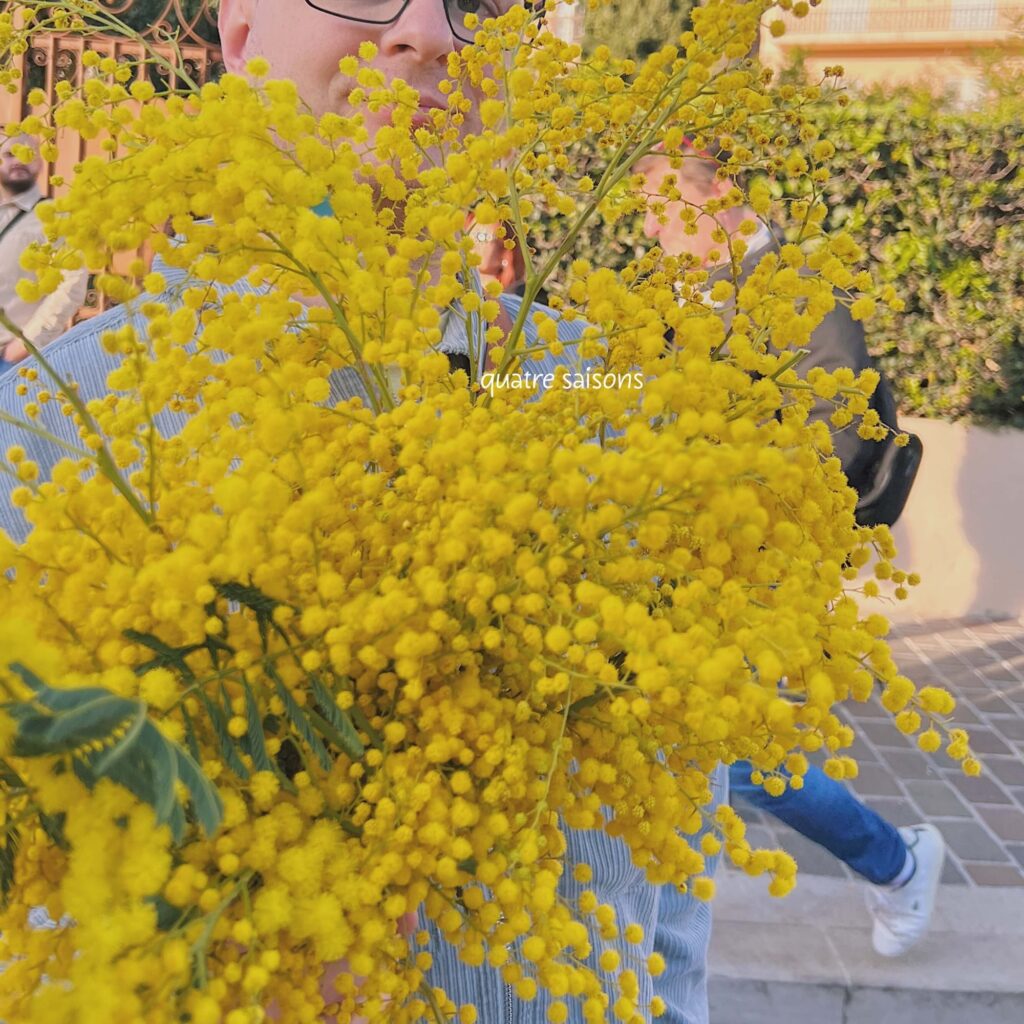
pixel 675 925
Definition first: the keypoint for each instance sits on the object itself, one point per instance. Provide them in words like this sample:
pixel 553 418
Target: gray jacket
pixel 838 341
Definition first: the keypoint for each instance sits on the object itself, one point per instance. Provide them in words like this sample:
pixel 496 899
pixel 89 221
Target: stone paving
pixel 982 663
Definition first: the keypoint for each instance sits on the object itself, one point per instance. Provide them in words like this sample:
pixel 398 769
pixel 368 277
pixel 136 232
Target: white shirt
pixel 47 319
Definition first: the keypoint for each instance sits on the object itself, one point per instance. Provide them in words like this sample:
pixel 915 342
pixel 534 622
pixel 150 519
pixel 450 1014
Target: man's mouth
pixel 423 118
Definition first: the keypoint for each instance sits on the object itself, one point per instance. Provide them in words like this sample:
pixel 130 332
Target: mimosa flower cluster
pixel 282 671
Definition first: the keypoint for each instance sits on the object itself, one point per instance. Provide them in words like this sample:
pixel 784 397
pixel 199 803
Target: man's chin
pixel 18 185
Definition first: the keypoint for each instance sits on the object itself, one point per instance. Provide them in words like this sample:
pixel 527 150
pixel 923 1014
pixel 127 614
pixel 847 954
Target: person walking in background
pixel 903 865
pixel 43 321
pixel 880 472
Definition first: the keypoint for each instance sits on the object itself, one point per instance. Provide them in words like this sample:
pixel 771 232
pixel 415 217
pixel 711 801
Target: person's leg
pixel 904 865
pixel 830 815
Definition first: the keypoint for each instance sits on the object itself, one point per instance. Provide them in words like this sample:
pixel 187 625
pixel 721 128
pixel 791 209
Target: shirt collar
pixel 24 200
pixel 760 239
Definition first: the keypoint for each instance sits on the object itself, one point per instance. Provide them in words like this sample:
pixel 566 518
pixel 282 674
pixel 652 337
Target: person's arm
pixel 52 316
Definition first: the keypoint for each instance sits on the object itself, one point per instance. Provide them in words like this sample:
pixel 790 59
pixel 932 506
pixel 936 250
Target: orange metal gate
pixel 54 58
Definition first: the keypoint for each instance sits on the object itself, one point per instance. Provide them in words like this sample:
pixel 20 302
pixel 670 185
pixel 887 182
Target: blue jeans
pixel 830 815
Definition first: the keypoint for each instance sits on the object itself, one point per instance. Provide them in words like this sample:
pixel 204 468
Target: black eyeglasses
pixel 386 12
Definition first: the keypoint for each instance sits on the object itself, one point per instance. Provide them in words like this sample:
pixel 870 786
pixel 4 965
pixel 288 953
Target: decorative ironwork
pixel 65 65
pixel 35 74
pixel 191 21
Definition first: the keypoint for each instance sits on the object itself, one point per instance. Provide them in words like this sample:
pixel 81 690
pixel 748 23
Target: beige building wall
pixel 933 42
pixel 963 527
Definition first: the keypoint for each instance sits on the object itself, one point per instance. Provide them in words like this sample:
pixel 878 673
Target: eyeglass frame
pixel 537 5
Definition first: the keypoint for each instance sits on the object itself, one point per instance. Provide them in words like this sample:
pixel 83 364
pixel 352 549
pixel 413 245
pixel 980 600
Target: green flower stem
pixel 102 457
pixel 342 322
pixel 199 947
pixel 793 361
pixel 45 435
pixel 625 156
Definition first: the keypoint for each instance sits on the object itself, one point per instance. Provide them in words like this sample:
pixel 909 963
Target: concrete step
pixel 807 959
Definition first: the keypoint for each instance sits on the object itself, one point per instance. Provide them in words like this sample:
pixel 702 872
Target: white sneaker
pixel 902 915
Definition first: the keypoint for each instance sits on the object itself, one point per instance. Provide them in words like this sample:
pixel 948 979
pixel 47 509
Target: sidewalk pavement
pixel 808 958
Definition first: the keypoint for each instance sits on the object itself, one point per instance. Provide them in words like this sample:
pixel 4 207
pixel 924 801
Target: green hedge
pixel 937 197
pixel 631 29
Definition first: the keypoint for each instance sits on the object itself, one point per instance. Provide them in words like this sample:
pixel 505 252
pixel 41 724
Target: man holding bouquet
pixel 304 40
